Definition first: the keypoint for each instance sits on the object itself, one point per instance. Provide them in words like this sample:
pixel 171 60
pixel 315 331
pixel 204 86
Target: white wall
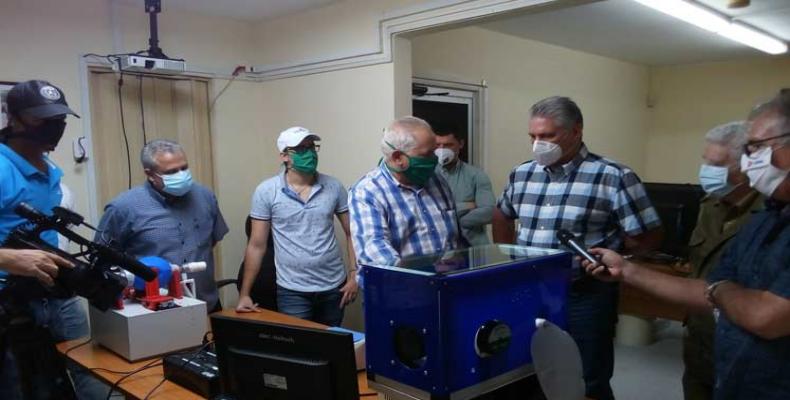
pixel 340 29
pixel 519 72
pixel 691 99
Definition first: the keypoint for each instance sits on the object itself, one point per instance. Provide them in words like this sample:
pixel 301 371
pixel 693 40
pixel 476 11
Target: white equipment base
pixel 136 332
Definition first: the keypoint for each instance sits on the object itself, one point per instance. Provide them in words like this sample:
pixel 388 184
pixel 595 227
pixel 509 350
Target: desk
pixel 138 385
pixel 636 302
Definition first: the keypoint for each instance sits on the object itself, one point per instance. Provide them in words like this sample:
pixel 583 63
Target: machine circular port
pixel 493 337
pixel 410 346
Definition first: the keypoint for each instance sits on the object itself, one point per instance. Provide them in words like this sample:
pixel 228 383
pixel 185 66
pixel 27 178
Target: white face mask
pixel 546 153
pixel 763 176
pixel 445 155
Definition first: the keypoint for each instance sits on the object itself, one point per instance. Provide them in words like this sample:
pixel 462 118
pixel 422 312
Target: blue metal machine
pixel 460 324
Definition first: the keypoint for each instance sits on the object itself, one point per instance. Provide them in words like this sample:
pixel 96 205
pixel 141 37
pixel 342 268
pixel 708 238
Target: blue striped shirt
pixel 390 221
pixel 143 222
pixel 595 198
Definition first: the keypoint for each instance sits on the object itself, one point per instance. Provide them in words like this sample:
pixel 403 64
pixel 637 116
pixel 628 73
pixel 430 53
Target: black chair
pixel 264 289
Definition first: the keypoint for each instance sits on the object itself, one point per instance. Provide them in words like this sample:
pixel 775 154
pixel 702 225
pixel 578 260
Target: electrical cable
pixel 66 353
pixel 239 69
pixel 123 126
pixel 154 363
pixel 142 108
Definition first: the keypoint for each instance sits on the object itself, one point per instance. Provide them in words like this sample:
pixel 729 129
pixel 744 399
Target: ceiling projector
pixel 147 64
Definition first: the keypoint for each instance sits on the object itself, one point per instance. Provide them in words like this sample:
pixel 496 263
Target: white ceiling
pixel 626 30
pixel 250 10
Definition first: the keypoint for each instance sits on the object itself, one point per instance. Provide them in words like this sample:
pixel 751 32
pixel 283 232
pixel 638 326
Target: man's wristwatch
pixel 710 291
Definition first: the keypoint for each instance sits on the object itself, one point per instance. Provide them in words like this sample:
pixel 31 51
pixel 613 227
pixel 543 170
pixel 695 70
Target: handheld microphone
pixel 569 240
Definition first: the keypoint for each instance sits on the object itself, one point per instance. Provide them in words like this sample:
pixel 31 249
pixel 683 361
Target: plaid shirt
pixel 390 221
pixel 595 198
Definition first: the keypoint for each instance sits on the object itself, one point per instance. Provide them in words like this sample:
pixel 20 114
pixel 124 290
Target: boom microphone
pixel 60 225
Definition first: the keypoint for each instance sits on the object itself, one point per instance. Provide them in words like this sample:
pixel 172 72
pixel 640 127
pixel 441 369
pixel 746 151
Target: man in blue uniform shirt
pixel 749 291
pixel 37 112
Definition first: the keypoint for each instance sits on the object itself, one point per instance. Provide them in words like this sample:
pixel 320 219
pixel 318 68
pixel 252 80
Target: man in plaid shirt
pixel 599 200
pixel 402 207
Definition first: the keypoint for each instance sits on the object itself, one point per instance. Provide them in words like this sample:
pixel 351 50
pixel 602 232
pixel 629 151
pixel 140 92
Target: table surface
pixel 112 366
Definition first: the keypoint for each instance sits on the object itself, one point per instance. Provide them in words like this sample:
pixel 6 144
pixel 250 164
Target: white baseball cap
pixel 291 137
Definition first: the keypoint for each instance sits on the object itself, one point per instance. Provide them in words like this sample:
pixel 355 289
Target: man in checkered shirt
pixel 599 200
pixel 402 207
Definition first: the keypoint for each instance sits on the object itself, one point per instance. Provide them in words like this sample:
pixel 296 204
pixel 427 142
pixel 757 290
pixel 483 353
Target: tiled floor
pixel 651 372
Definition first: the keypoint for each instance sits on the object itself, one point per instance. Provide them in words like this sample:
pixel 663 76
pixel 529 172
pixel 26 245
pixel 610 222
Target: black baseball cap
pixel 37 99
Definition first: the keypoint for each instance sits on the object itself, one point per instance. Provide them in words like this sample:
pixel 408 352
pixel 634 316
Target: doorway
pixel 452 106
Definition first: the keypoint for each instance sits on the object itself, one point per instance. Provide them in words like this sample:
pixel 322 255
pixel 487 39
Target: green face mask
pixel 305 162
pixel 420 170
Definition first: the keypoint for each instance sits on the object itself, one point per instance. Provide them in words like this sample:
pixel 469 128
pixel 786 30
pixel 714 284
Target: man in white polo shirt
pixel 297 206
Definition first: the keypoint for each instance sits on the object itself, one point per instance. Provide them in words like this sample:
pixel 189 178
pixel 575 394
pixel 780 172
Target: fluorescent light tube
pixel 714 22
pixel 750 37
pixel 688 12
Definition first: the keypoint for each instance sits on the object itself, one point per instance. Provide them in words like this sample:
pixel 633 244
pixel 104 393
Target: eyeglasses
pixel 302 149
pixel 755 145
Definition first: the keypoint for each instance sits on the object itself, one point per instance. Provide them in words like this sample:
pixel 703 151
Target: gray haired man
pixel 402 207
pixel 168 216
pixel 728 206
pixel 601 201
pixel 749 290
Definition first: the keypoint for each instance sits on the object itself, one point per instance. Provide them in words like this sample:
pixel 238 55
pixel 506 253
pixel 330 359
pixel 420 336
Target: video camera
pixel 96 275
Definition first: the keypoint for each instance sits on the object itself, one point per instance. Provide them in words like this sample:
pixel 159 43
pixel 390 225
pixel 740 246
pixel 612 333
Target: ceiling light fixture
pixel 707 19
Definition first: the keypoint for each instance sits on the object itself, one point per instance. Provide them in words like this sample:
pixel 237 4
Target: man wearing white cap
pixel 297 206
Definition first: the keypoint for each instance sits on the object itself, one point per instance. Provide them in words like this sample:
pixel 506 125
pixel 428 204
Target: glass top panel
pixel 472 258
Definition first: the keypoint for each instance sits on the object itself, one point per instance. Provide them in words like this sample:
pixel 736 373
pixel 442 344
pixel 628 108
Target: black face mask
pixel 47 134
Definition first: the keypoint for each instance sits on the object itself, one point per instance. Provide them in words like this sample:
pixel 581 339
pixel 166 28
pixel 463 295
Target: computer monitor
pixel 678 207
pixel 270 361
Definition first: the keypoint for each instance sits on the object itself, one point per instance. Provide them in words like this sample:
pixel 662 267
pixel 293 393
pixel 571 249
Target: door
pixel 142 108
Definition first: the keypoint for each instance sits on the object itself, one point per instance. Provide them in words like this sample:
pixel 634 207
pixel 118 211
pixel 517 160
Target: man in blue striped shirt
pixel 599 200
pixel 402 208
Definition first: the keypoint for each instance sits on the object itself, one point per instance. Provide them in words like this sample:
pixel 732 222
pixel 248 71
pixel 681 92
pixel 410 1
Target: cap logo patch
pixel 50 93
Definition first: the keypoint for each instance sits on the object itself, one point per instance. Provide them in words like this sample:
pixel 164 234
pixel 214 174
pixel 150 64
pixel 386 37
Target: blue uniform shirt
pixel 747 366
pixel 21 182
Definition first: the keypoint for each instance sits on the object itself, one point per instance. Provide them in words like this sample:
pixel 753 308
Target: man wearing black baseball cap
pixel 37 113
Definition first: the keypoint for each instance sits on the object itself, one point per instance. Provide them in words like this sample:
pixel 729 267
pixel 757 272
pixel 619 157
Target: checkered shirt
pixel 595 198
pixel 390 221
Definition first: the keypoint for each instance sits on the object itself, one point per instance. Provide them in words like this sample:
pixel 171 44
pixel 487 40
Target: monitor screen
pixel 677 206
pixel 269 361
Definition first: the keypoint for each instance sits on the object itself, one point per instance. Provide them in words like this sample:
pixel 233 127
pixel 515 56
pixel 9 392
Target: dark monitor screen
pixel 269 361
pixel 677 206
